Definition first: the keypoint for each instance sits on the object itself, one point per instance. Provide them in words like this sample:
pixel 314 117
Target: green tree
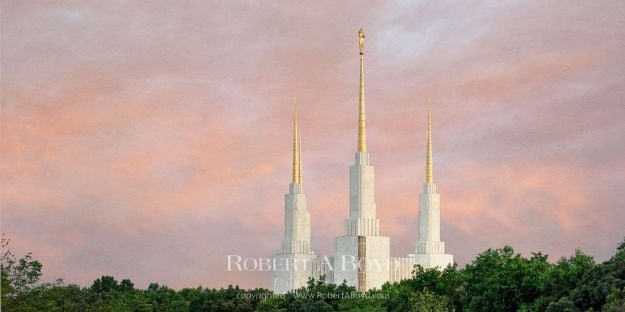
pixel 17 276
pixel 563 305
pixel 568 273
pixel 126 286
pixel 501 280
pixel 104 284
pixel 615 301
pixel 427 288
pixel 271 304
pixel 600 281
pixel 427 301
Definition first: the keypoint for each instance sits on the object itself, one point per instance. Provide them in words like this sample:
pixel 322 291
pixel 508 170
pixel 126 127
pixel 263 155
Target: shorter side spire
pixel 301 173
pixel 429 178
pixel 297 176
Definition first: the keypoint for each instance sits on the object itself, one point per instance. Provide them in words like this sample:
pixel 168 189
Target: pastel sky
pixel 150 139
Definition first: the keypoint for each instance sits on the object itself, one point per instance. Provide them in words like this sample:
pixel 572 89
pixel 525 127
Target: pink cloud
pixel 139 136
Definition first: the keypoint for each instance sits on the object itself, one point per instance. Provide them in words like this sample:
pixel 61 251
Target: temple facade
pixel 361 255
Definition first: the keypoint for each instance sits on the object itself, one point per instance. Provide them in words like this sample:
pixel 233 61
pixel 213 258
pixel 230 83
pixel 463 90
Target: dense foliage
pixel 497 280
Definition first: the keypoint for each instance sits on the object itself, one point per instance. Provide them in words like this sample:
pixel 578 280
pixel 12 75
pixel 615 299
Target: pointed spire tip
pixel 429 178
pixel 297 175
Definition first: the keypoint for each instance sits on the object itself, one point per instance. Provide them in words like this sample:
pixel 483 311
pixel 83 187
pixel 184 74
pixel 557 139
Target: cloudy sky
pixel 150 139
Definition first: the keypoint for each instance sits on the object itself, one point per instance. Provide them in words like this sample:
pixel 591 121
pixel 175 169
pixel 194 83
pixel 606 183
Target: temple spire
pixel 297 175
pixel 428 157
pixel 301 173
pixel 362 135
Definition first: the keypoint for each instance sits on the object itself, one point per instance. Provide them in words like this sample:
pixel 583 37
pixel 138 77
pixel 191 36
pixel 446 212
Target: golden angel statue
pixel 361 41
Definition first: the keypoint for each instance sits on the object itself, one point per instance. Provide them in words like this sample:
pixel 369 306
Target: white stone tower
pixel 430 250
pixel 362 256
pixel 296 263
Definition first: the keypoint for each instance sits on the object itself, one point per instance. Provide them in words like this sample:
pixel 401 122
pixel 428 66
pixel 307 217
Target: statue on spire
pixel 361 41
pixel 362 137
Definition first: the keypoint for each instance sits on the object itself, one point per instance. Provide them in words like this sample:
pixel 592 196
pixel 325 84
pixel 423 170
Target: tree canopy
pixel 497 280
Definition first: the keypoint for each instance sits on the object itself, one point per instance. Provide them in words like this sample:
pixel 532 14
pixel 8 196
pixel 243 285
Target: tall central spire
pixel 297 166
pixel 428 157
pixel 362 135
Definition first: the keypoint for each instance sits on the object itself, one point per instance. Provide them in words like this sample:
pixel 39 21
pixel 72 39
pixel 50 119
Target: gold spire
pixel 297 175
pixel 428 157
pixel 362 135
pixel 301 173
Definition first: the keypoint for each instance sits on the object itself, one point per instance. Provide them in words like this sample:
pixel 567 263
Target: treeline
pixel 497 280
